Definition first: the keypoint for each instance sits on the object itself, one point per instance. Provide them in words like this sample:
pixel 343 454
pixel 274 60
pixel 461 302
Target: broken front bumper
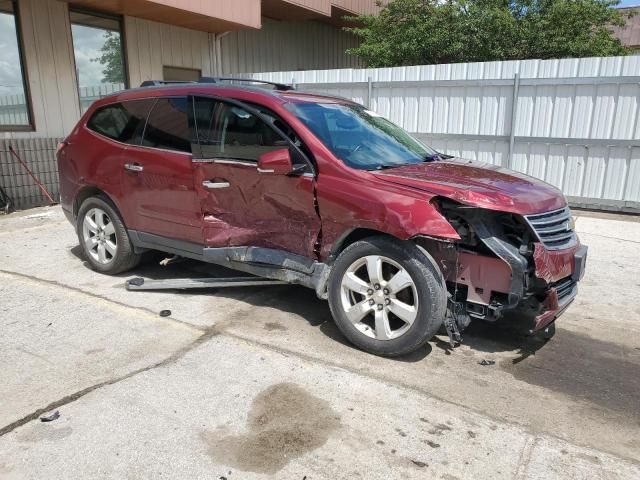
pixel 563 270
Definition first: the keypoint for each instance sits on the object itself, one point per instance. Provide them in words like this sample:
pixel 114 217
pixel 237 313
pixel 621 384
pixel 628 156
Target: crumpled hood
pixel 478 184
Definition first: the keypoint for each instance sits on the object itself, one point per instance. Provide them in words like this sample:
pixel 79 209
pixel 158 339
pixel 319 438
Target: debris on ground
pixel 487 362
pixel 37 216
pixel 50 418
pixel 165 313
pixel 171 260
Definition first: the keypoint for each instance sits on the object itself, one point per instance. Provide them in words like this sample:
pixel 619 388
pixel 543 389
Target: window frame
pixel 31 126
pixel 154 99
pixel 123 44
pixel 271 117
pixel 190 120
pixel 199 158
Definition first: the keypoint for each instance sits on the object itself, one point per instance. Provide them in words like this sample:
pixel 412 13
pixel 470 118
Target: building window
pixel 15 112
pixel 99 55
pixel 179 74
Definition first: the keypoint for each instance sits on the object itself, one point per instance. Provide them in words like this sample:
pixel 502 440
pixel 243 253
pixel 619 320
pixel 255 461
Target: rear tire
pixel 387 296
pixel 103 237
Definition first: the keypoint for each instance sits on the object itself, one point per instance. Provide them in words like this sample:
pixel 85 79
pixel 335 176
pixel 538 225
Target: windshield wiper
pixel 386 167
pixel 434 157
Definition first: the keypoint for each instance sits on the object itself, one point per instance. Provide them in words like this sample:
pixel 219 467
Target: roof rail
pixel 158 83
pixel 277 86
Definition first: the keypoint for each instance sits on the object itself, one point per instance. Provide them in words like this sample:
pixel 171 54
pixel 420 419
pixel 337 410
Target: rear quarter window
pixel 123 122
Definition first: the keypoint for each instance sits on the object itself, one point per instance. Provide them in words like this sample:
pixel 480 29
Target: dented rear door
pixel 240 205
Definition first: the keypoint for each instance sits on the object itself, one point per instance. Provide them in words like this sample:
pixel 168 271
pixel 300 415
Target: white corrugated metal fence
pixel 571 122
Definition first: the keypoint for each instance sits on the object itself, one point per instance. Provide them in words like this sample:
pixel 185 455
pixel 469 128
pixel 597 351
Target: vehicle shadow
pixel 573 363
pixel 508 334
pixel 500 336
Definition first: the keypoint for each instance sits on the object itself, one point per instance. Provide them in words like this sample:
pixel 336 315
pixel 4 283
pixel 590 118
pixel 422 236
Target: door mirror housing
pixel 277 162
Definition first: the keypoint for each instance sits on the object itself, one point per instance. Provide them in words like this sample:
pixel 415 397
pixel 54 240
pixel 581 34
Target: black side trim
pixel 142 241
pixel 260 257
pixel 263 262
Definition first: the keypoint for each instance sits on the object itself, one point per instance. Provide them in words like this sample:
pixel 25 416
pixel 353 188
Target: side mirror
pixel 277 162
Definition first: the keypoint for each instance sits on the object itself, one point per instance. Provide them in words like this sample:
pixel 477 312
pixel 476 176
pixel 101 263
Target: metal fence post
pixel 369 91
pixel 514 115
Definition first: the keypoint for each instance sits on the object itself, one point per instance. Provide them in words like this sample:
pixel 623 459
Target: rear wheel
pixel 386 296
pixel 103 237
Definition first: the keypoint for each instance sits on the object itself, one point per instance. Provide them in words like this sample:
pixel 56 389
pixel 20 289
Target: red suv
pixel 318 191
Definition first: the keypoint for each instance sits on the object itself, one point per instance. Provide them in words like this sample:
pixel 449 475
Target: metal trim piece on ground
pixel 139 283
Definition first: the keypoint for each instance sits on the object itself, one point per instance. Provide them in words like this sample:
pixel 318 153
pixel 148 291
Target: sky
pixel 10 77
pixel 86 43
pixel 629 3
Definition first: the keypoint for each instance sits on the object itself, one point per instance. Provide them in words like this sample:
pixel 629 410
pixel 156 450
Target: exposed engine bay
pixel 507 262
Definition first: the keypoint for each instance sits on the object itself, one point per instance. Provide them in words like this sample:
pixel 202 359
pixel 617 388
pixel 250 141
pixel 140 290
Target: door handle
pixel 210 184
pixel 134 167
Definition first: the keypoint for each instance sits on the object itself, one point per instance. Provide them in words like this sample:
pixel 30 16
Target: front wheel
pixel 387 296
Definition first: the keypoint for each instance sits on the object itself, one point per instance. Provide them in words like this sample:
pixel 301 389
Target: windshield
pixel 361 138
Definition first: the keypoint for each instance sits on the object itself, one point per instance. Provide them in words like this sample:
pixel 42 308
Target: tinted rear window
pixel 123 122
pixel 168 125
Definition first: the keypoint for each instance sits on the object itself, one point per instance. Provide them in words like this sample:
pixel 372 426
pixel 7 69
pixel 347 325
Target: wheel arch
pixel 353 235
pixel 93 191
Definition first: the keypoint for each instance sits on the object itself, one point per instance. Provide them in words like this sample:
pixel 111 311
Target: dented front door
pixel 240 205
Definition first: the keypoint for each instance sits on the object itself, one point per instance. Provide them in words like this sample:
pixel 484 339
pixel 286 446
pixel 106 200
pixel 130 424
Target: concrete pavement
pixel 258 382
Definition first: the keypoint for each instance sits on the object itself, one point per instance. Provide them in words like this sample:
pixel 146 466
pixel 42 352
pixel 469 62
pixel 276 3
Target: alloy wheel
pixel 379 297
pixel 99 235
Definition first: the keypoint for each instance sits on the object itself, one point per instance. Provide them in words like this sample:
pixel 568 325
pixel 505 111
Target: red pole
pixel 35 179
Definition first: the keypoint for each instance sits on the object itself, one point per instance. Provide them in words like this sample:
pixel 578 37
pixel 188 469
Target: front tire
pixel 103 237
pixel 387 296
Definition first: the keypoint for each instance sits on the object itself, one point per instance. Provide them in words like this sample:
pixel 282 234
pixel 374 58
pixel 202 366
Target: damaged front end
pixel 507 262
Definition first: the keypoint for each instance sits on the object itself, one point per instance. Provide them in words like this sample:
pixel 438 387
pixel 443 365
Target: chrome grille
pixel 553 228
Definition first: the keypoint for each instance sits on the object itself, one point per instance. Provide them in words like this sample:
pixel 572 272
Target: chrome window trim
pixel 128 145
pixel 226 161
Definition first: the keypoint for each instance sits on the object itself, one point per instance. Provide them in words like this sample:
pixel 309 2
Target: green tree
pixel 414 32
pixel 111 58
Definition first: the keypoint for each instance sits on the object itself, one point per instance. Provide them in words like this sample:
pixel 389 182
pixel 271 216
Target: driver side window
pixel 229 132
